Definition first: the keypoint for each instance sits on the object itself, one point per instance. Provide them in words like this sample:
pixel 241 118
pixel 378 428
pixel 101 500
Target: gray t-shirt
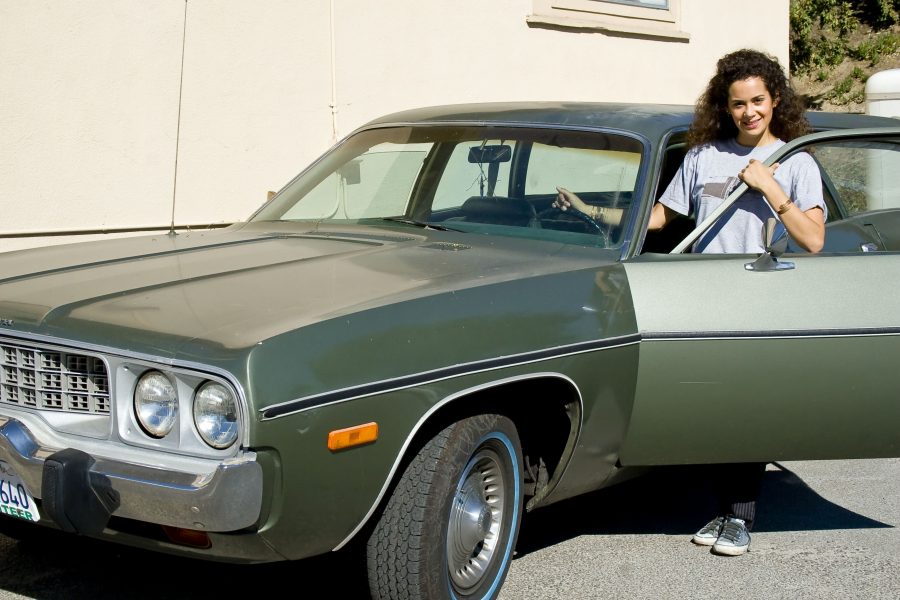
pixel 710 172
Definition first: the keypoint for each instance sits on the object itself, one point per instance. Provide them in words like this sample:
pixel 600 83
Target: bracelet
pixel 784 207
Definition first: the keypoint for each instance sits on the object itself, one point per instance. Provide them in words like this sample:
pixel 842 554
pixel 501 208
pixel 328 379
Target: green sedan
pixel 409 347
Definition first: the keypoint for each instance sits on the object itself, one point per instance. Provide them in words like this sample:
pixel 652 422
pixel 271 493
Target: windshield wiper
pixel 422 224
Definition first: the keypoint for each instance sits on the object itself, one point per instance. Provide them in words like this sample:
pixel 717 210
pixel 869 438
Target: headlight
pixel 155 404
pixel 215 415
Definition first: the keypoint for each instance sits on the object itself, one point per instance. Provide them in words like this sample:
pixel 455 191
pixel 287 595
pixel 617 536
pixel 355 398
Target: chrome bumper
pixel 226 499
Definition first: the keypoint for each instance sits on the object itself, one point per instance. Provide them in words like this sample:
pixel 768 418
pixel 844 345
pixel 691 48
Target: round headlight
pixel 215 415
pixel 155 404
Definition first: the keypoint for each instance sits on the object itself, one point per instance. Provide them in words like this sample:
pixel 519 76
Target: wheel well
pixel 547 415
pixel 546 411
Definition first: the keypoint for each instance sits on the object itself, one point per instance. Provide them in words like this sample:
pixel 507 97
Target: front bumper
pixel 228 498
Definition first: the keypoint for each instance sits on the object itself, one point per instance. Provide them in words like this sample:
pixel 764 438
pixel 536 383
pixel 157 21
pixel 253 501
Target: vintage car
pixel 408 347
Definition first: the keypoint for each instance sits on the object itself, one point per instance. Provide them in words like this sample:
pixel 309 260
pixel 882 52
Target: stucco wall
pixel 90 90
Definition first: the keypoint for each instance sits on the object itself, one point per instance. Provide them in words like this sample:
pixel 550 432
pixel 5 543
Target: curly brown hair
pixel 711 118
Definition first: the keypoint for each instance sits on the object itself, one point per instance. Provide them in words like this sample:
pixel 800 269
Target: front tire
pixel 450 526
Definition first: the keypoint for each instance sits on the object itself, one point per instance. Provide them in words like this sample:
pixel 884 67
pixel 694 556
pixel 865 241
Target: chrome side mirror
pixel 775 241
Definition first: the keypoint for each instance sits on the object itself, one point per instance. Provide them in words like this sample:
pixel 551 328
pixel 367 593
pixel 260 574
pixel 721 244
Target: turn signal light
pixel 187 537
pixel 341 439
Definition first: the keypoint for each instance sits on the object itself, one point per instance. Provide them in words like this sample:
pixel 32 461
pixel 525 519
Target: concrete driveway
pixel 825 530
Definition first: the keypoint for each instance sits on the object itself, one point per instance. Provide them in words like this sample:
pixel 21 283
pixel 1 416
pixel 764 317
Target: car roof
pixel 651 120
pixel 648 119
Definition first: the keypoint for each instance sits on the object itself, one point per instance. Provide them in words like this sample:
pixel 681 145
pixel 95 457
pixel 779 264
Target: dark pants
pixel 738 487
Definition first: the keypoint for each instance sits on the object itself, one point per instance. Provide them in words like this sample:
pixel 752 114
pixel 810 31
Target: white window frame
pixel 611 16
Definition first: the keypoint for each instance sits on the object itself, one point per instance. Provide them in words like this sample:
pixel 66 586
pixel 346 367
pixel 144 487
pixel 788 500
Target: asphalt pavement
pixel 825 530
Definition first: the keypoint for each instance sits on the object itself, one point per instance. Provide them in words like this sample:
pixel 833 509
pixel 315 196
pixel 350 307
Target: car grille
pixel 50 379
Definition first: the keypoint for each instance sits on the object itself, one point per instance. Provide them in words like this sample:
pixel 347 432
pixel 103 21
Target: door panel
pixel 742 366
pixel 796 364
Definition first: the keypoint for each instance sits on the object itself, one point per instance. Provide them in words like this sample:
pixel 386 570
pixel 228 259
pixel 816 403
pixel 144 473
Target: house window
pixel 652 18
pixel 647 3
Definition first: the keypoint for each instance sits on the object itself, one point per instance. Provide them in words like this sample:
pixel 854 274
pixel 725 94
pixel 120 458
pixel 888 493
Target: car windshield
pixel 474 179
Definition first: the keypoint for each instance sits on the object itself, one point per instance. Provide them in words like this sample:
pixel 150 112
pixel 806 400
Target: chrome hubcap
pixel 476 519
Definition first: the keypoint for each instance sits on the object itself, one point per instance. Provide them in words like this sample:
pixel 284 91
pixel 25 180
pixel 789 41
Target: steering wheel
pixel 601 229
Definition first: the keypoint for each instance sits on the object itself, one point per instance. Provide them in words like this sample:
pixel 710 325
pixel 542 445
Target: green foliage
pixel 820 31
pixel 846 92
pixel 822 37
pixel 874 49
pixel 878 13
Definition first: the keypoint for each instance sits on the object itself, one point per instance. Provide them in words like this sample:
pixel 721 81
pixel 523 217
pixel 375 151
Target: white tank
pixel 883 93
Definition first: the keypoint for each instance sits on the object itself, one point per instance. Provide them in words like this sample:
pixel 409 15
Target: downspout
pixel 178 126
pixel 333 105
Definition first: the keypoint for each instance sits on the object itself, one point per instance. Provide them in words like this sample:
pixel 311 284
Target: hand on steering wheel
pixel 569 202
pixel 566 200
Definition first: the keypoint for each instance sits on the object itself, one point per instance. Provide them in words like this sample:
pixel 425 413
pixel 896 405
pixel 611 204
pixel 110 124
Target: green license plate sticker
pixel 15 500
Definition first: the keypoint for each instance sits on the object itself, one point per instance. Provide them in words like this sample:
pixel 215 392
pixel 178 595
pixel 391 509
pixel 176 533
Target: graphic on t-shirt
pixel 716 188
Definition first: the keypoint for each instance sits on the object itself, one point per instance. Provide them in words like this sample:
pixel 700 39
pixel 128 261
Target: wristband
pixel 784 207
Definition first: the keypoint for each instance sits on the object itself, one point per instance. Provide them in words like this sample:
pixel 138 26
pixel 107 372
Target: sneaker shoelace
pixel 714 526
pixel 731 532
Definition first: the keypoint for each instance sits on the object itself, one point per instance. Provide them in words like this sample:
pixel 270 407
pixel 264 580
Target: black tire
pixel 449 528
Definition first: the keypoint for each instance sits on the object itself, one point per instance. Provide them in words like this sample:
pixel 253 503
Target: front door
pixel 804 363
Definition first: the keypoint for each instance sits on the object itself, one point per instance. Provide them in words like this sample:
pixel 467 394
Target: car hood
pixel 235 287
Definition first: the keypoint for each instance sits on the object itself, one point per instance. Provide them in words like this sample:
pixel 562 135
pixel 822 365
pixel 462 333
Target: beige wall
pixel 89 89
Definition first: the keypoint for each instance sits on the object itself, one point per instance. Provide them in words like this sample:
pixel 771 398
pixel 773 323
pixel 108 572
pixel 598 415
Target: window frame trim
pixel 608 16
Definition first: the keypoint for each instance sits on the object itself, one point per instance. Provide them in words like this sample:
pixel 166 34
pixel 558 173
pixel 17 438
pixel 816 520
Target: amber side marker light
pixel 187 537
pixel 341 439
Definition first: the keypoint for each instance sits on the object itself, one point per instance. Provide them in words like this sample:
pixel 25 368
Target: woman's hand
pixel 807 228
pixel 758 176
pixel 566 200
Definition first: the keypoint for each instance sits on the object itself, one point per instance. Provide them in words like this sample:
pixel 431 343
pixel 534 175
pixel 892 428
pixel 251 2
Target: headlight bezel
pixel 184 438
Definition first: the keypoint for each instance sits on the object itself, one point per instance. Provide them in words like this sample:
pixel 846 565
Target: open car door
pixel 793 363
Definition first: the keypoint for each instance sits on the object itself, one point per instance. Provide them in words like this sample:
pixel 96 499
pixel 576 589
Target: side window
pixel 672 160
pixel 862 179
pixel 863 175
pixel 665 239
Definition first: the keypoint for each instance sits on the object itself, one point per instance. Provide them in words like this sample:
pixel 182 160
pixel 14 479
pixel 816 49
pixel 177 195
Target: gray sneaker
pixel 708 535
pixel 734 539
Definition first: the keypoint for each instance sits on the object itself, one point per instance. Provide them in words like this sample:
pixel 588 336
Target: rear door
pixel 801 363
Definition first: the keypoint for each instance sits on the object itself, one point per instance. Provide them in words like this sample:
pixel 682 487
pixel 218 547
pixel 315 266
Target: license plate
pixel 15 500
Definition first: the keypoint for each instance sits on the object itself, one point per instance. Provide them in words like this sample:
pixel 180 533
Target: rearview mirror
pixel 490 154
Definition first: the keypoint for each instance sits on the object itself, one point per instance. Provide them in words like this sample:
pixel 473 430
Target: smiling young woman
pixel 747 111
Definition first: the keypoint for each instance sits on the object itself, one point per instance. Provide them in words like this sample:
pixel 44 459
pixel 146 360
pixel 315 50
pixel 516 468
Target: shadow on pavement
pixel 678 501
pixel 671 500
pixel 52 566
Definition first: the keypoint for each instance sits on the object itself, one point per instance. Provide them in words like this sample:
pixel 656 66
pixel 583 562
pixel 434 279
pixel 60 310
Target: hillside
pixel 842 88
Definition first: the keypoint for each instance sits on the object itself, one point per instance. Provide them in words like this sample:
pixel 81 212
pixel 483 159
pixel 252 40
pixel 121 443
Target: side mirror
pixel 775 241
pixel 350 172
pixel 775 237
